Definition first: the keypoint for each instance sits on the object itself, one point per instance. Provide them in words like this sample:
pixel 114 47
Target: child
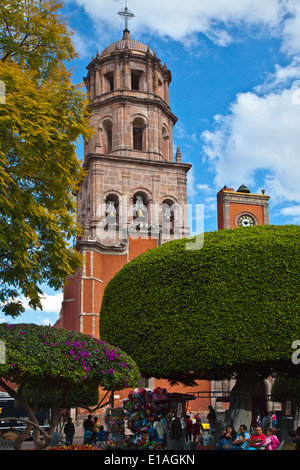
pixel 271 442
pixel 87 437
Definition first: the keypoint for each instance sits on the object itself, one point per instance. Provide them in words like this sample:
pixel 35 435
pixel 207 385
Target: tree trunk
pixel 246 389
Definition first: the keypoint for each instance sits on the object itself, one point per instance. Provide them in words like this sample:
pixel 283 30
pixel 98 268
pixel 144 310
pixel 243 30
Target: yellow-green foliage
pixel 42 114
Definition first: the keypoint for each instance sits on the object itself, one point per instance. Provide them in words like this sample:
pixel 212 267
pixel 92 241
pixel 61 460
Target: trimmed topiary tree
pixel 43 359
pixel 228 310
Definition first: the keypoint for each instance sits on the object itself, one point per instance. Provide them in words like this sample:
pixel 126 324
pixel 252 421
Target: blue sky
pixel 235 91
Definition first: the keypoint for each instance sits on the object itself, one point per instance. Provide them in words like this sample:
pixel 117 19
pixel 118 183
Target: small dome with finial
pixel 243 189
pixel 126 42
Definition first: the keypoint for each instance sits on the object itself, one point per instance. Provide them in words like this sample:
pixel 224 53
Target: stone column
pixel 266 214
pixel 149 78
pixel 117 75
pixel 98 89
pixel 155 179
pixel 166 90
pixel 127 78
pixel 155 82
pixel 92 85
pixel 97 213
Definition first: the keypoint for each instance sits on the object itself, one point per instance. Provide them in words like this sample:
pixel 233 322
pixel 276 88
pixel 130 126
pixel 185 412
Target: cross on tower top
pixel 126 14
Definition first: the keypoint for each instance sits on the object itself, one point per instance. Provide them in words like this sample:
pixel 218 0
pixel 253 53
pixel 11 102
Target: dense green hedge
pixel 235 303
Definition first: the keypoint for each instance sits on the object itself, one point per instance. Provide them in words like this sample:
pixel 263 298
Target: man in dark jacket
pixel 69 431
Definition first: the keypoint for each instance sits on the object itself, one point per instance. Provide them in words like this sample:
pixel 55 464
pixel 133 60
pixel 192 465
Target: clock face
pixel 246 220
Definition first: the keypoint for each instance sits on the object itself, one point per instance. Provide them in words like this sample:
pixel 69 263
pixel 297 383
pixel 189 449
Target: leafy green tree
pixel 41 118
pixel 55 401
pixel 228 310
pixel 285 389
pixel 83 397
pixel 34 34
pixel 47 359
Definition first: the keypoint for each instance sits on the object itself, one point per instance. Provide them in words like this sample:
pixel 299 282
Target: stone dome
pixel 125 42
pixel 243 189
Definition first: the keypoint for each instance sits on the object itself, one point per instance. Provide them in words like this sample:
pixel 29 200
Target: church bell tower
pixel 133 197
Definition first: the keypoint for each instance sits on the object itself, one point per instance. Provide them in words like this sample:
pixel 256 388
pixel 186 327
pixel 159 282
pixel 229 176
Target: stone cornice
pixel 92 157
pixel 123 96
pixel 243 198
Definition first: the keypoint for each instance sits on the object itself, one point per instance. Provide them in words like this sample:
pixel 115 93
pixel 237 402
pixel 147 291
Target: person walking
pixel 69 431
pixel 212 419
pixel 159 429
pixel 197 430
pixel 96 429
pixel 266 422
pixel 88 426
pixel 188 428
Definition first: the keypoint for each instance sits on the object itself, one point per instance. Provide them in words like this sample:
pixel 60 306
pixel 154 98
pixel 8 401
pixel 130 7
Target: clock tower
pixel 241 208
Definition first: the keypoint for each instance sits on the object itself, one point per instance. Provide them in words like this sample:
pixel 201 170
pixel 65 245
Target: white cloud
pixel 281 78
pixel 191 184
pixel 205 187
pixel 292 212
pixel 50 303
pixel 82 44
pixel 259 133
pixel 217 19
pixel 291 28
pixel 261 129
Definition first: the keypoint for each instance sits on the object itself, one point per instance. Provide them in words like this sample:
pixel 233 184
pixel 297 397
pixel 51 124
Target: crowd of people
pixel 243 440
pixel 93 431
pixel 263 437
pixel 193 428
